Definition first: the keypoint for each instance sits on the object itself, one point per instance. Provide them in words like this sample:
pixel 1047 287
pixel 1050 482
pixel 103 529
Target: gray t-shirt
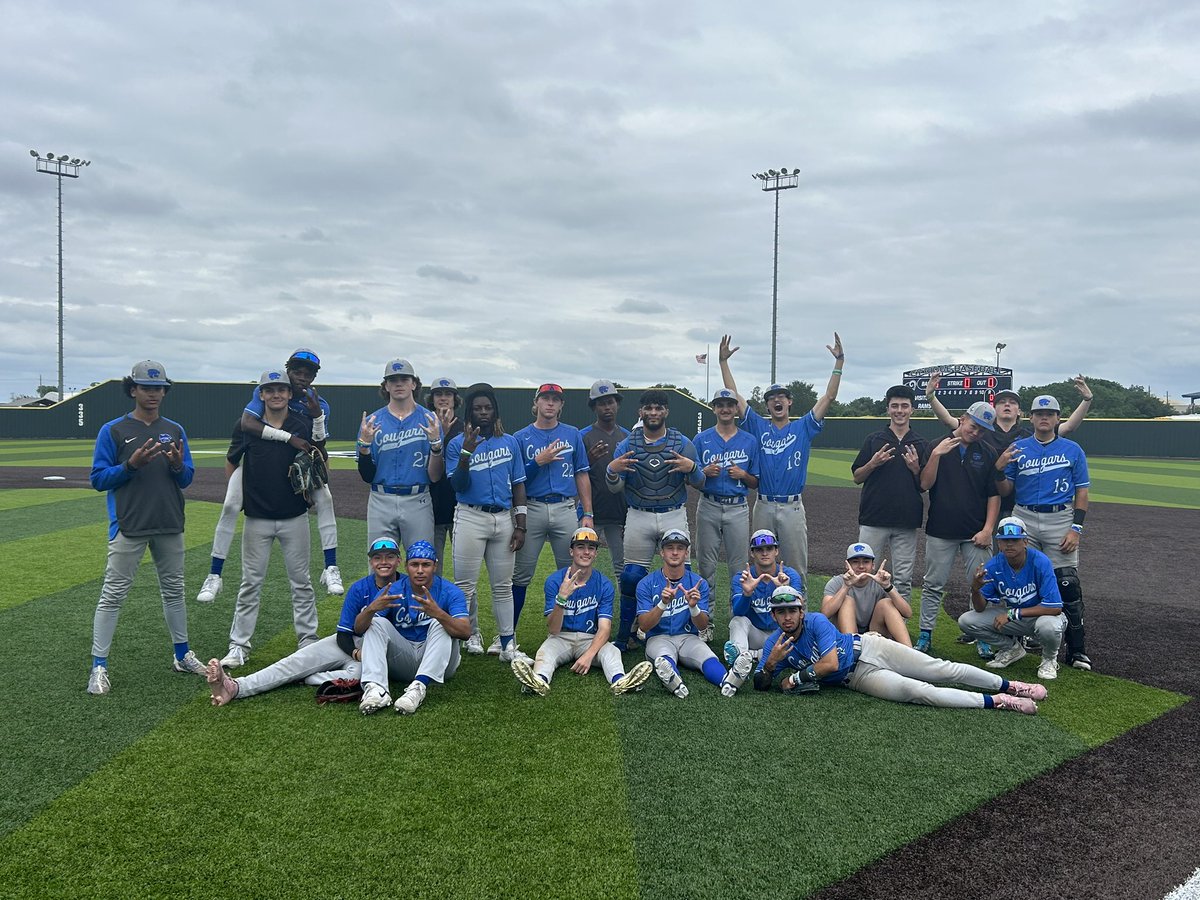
pixel 864 598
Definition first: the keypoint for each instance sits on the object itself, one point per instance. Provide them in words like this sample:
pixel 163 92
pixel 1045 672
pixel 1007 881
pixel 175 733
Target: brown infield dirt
pixel 1120 821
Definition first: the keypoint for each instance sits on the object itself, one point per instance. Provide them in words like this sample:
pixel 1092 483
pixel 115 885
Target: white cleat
pixel 475 644
pixel 633 679
pixel 189 664
pixel 530 680
pixel 98 681
pixel 210 589
pixel 235 658
pixel 1048 669
pixel 494 647
pixel 411 699
pixel 736 676
pixel 332 579
pixel 669 677
pixel 374 699
pixel 513 654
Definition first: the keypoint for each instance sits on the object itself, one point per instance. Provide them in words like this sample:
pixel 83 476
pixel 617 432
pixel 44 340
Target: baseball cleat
pixel 475 644
pixel 923 644
pixel 669 677
pixel 736 676
pixel 633 679
pixel 1031 644
pixel 210 589
pixel 964 638
pixel 530 680
pixel 1024 689
pixel 1007 657
pixel 189 664
pixel 495 646
pixel 1081 661
pixel 235 658
pixel 1048 669
pixel 731 654
pixel 706 633
pixel 1015 704
pixel 98 681
pixel 513 654
pixel 339 690
pixel 374 699
pixel 332 579
pixel 413 697
pixel 220 685
pixel 984 649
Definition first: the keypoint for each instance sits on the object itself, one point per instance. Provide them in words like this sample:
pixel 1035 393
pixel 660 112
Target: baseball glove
pixel 308 473
pixel 792 684
pixel 340 690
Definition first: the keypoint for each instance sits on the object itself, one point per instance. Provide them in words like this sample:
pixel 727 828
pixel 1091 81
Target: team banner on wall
pixel 960 385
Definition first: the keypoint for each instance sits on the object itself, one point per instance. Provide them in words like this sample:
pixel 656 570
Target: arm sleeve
pixel 345 642
pixel 107 472
pixel 366 465
pixel 184 478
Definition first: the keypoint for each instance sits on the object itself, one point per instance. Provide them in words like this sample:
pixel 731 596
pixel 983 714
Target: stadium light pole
pixel 776 181
pixel 61 166
pixel 999 347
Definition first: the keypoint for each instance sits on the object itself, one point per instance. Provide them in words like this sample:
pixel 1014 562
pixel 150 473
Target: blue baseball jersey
pixel 400 449
pixel 495 467
pixel 586 606
pixel 740 450
pixel 1034 585
pixel 296 405
pixel 783 461
pixel 678 618
pixel 358 596
pixel 410 619
pixel 558 475
pixel 1047 474
pixel 817 637
pixel 757 606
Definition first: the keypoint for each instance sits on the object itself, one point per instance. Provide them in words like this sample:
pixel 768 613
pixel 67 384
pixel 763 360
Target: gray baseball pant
pixel 406 518
pixel 614 536
pixel 440 533
pixel 940 554
pixel 257 537
pixel 567 646
pixel 554 522
pixel 745 636
pixel 314 664
pixel 124 556
pixel 899 547
pixel 790 525
pixel 232 508
pixel 717 525
pixel 891 671
pixel 643 531
pixel 1046 531
pixel 686 649
pixel 386 652
pixel 1048 630
pixel 481 537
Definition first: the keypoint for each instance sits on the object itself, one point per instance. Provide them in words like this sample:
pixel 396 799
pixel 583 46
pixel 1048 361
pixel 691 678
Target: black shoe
pixel 1032 644
pixel 964 638
pixel 1081 661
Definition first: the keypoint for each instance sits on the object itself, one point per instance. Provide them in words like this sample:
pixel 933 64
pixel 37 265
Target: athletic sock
pixel 424 679
pixel 181 649
pixel 331 557
pixel 988 702
pixel 713 670
pixel 616 678
pixel 1004 685
pixel 518 602
pixel 217 565
pixel 100 661
pixel 505 640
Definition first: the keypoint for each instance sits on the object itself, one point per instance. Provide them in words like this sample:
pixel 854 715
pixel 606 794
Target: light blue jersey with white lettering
pixel 494 468
pixel 757 606
pixel 816 638
pixel 401 448
pixel 678 618
pixel 588 604
pixel 1035 585
pixel 740 450
pixel 410 619
pixel 783 460
pixel 358 597
pixel 558 475
pixel 1047 474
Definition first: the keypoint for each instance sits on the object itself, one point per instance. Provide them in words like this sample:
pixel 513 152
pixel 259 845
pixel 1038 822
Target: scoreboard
pixel 960 385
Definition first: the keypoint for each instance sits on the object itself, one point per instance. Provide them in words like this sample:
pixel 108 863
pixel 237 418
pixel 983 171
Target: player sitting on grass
pixel 1020 586
pixel 411 629
pixel 866 600
pixel 672 611
pixel 331 662
pixel 809 644
pixel 751 623
pixel 579 608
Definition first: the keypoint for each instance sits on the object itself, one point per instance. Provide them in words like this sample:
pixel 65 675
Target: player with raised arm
pixel 751 624
pixel 443 399
pixel 785 446
pixel 809 652
pixel 601 439
pixel 864 598
pixel 579 608
pixel 301 367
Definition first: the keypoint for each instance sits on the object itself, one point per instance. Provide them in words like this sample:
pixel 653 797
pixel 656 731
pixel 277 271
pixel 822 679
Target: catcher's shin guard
pixel 1072 598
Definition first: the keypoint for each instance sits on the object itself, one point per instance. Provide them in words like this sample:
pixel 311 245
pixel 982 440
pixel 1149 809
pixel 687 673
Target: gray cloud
pixel 446 274
pixel 643 307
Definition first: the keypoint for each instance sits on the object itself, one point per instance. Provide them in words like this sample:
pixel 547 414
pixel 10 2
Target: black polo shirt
pixel 891 495
pixel 266 489
pixel 966 478
pixel 441 491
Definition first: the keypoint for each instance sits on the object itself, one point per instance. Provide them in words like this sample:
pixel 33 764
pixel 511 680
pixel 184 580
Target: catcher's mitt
pixel 308 473
pixel 340 690
pixel 792 684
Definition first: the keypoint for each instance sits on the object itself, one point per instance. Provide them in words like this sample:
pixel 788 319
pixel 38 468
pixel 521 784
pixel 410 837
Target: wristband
pixel 436 449
pixel 611 475
pixel 464 454
pixel 837 371
pixel 520 528
pixel 270 433
pixel 888 589
pixel 1078 516
pixel 1078 529
pixel 318 429
pixel 363 445
pixel 664 605
pixel 562 601
pixel 808 674
pixel 588 515
pixel 1014 614
pixel 521 510
pixel 128 468
pixel 695 612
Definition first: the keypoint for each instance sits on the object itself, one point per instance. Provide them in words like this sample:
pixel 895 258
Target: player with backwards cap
pixel 302 368
pixel 785 445
pixel 750 623
pixel 601 439
pixel 672 611
pixel 579 608
pixel 814 653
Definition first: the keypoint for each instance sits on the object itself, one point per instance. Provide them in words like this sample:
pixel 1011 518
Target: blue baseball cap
pixel 422 550
pixel 1011 527
pixel 383 545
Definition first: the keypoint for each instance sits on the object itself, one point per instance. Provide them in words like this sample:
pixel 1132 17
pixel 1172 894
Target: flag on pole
pixel 702 358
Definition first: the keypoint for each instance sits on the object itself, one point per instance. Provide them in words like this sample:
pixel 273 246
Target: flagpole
pixel 707 372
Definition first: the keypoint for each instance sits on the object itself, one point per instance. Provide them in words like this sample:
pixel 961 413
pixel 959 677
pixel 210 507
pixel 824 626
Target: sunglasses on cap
pixel 305 356
pixel 1010 531
pixel 763 540
pixel 383 545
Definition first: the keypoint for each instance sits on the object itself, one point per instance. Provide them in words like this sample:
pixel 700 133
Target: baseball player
pixel 556 475
pixel 601 439
pixel 783 463
pixel 960 476
pixel 866 599
pixel 331 659
pixel 890 506
pixel 273 511
pixel 411 629
pixel 672 611
pixel 143 462
pixel 750 590
pixel 652 467
pixel 443 399
pixel 302 367
pixel 579 608
pixel 399 455
pixel 489 524
pixel 819 654
pixel 1019 581
pixel 729 460
pixel 1049 476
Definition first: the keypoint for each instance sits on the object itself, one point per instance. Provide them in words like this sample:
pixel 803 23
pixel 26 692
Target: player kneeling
pixel 872 664
pixel 411 630
pixel 579 609
pixel 672 606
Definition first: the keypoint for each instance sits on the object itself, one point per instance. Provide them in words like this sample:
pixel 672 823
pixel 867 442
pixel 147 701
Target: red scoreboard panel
pixel 960 385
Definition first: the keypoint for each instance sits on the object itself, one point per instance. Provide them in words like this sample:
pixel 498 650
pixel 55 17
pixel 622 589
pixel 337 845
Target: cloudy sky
pixel 519 192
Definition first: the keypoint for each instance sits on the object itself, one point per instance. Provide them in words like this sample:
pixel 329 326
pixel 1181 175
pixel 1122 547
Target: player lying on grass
pixel 809 644
pixel 864 599
pixel 332 662
pixel 672 611
pixel 579 609
pixel 751 623
pixel 411 630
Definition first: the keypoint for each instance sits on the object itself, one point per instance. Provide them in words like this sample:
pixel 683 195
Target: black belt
pixel 1045 508
pixel 551 498
pixel 486 507
pixel 402 490
pixel 735 500
pixel 657 509
pixel 790 498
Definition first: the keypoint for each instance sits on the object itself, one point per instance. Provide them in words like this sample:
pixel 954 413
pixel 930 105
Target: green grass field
pixel 151 791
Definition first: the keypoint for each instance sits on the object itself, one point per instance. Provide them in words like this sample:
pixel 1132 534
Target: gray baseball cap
pixel 603 388
pixel 860 551
pixel 1000 395
pixel 274 376
pixel 149 373
pixel 1044 403
pixel 675 536
pixel 724 394
pixel 399 367
pixel 786 596
pixel 443 384
pixel 984 415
